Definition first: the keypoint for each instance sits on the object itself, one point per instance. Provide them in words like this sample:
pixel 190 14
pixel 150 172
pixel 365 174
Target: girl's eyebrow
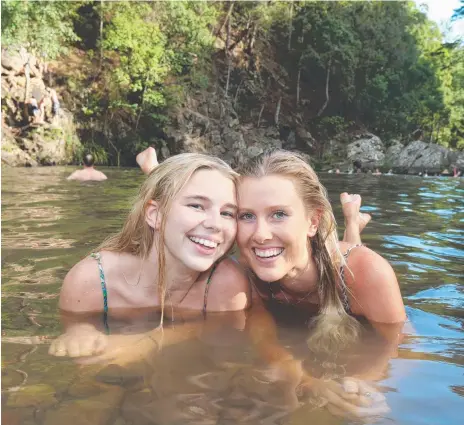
pixel 272 207
pixel 206 199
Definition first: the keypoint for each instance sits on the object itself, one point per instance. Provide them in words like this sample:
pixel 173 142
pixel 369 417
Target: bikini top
pixel 97 256
pixel 281 296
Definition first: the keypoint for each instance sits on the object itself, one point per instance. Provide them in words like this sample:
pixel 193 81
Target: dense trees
pixel 382 66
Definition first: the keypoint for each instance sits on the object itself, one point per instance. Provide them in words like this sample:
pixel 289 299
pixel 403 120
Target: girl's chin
pixel 269 275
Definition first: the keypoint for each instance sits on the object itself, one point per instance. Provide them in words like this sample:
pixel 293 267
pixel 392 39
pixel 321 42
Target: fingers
pixel 78 346
pixel 73 348
pixel 100 344
pixel 57 348
pixel 87 346
pixel 350 386
pixel 365 395
pixel 343 406
pixel 369 391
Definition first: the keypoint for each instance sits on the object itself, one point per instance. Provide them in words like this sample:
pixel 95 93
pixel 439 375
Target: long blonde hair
pixel 333 326
pixel 162 186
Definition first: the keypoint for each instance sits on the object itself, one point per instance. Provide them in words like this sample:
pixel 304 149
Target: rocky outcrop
pixel 53 142
pixel 419 156
pixel 213 126
pixel 367 149
pixel 393 151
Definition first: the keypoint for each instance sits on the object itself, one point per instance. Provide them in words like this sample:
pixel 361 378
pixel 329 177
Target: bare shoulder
pixel 230 285
pixel 102 176
pixel 73 176
pixel 375 292
pixel 365 263
pixel 81 291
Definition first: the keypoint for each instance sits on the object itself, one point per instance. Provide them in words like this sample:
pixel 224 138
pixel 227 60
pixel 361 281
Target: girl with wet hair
pixel 287 234
pixel 287 238
pixel 171 252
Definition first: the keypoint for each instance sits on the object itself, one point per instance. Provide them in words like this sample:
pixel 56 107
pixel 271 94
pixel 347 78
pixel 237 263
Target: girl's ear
pixel 153 215
pixel 313 222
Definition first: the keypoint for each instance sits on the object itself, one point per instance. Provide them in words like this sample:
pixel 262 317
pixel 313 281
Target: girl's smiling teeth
pixel 267 253
pixel 205 242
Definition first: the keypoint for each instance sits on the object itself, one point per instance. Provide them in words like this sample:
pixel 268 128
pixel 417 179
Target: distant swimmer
pixel 89 173
pixel 147 160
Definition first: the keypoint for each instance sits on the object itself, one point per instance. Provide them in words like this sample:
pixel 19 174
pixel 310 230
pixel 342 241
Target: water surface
pixel 48 224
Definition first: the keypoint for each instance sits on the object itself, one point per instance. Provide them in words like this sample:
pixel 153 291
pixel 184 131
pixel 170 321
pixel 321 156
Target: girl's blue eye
pixel 228 214
pixel 196 206
pixel 246 216
pixel 279 215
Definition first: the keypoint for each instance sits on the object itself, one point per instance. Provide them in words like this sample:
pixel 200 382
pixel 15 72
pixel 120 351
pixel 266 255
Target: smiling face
pixel 201 224
pixel 273 227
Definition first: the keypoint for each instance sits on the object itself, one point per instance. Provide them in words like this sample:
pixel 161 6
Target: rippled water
pixel 48 224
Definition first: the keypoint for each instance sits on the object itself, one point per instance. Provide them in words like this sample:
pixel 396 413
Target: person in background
pixel 45 106
pixel 34 110
pixel 89 173
pixel 55 102
pixel 445 172
pixel 377 172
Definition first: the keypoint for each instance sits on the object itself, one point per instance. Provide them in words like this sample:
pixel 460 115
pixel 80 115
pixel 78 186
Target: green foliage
pixel 378 61
pixel 150 48
pixel 44 28
pixel 382 66
pixel 328 127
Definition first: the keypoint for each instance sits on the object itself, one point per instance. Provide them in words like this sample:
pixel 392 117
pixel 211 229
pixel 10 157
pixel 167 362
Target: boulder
pixel 460 161
pixel 456 159
pixel 368 149
pixel 419 156
pixel 393 152
pixel 12 154
pixel 12 60
pixel 304 140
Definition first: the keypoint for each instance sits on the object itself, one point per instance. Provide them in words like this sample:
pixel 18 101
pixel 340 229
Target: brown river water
pixel 48 224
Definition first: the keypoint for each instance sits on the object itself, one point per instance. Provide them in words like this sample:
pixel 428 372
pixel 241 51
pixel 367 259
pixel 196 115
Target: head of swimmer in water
pixel 88 160
pixel 185 214
pixel 286 224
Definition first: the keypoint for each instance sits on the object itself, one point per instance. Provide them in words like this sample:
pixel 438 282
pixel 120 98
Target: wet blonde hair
pixel 333 326
pixel 163 184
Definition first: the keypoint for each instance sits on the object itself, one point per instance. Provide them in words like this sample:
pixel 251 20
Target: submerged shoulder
pixel 231 286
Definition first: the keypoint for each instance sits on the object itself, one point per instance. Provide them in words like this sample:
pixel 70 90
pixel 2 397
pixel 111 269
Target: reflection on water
pixel 48 224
